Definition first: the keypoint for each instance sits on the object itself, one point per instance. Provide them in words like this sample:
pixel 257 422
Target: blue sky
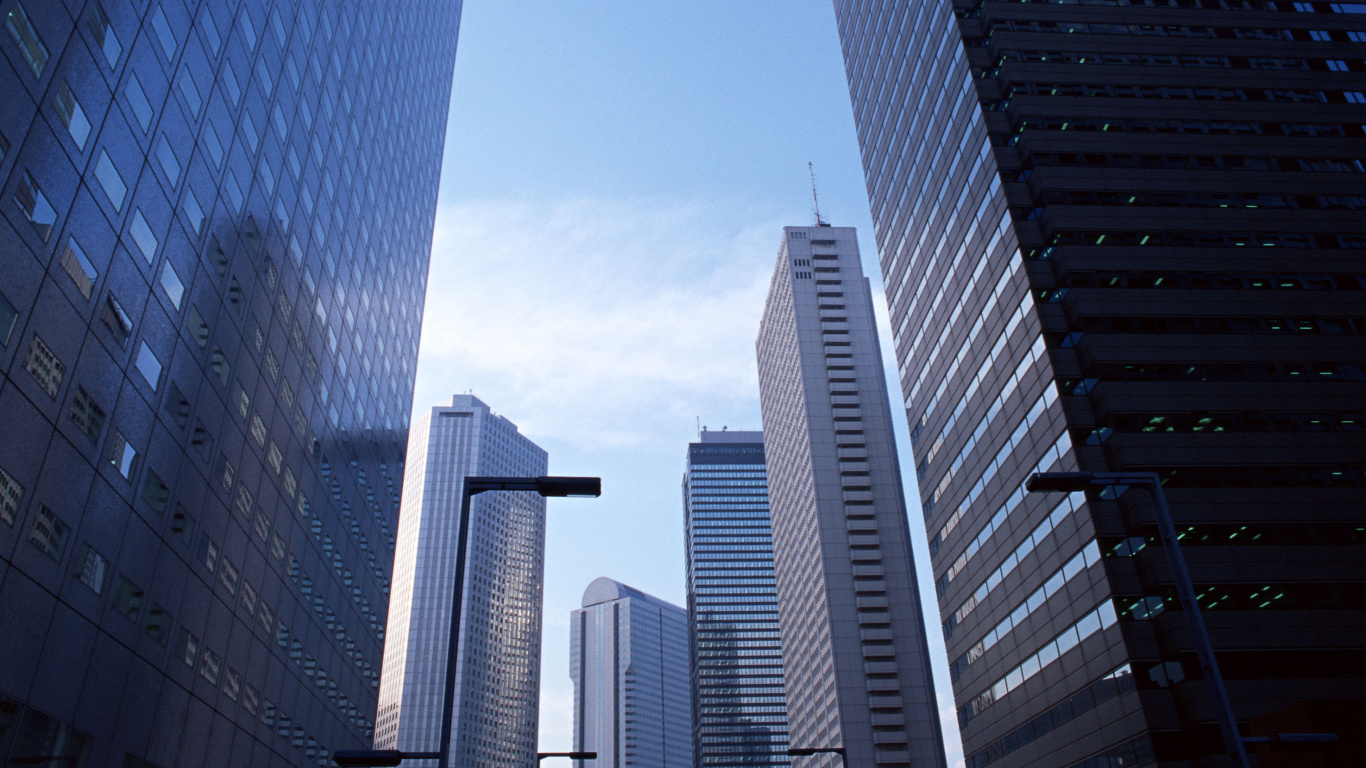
pixel 615 182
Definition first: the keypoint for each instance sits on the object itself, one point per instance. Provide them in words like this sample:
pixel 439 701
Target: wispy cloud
pixel 618 314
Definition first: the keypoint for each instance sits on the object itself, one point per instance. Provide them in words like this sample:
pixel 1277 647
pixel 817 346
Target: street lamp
pixel 571 755
pixel 808 751
pixel 1070 482
pixel 545 486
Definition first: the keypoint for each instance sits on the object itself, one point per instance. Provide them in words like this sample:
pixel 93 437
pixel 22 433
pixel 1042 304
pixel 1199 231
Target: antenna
pixel 814 199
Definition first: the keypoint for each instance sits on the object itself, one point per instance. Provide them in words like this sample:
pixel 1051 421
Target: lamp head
pixel 569 486
pixel 1063 482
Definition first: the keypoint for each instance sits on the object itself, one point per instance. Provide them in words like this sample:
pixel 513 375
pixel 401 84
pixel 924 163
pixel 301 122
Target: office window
pixel 190 91
pixel 212 145
pixel 158 624
pixel 275 458
pixel 9 317
pixel 149 366
pixel 187 647
pixel 249 597
pixel 229 80
pixel 127 598
pixel 218 363
pixel 137 98
pixel 78 267
pixel 169 164
pixel 47 370
pixel 248 30
pixel 194 213
pixel 122 456
pixel 105 38
pixel 88 415
pixel 155 492
pixel 258 429
pixel 228 574
pixel 10 493
pixel 182 525
pixel 232 684
pixel 116 320
pixel 110 180
pixel 251 698
pixel 209 664
pixel 202 441
pixel 170 283
pixel 199 330
pixel 72 116
pixel 35 206
pixel 48 533
pixel 208 554
pixel 164 34
pixel 209 29
pixel 142 235
pixel 35 53
pixel 91 569
pixel 234 193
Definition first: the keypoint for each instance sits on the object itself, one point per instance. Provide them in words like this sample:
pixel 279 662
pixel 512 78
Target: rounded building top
pixel 605 590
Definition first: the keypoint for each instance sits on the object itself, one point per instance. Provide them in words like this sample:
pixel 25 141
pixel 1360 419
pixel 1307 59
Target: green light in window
pixel 1159 280
pixel 1105 127
pixel 1100 239
pixel 1132 199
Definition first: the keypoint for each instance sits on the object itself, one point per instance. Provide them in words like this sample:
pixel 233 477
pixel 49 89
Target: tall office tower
pixel 854 650
pixel 736 654
pixel 628 657
pixel 216 219
pixel 498 673
pixel 1177 183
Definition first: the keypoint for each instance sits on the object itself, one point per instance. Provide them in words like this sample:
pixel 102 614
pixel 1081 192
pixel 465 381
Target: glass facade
pixel 498 672
pixel 628 659
pixel 855 655
pixel 739 704
pixel 215 221
pixel 1125 235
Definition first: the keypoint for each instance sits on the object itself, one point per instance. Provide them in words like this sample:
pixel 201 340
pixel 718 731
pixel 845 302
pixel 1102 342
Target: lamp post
pixel 545 486
pixel 571 755
pixel 1070 482
pixel 808 751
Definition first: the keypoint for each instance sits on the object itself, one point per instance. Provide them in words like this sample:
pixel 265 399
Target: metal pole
pixel 448 703
pixel 1185 593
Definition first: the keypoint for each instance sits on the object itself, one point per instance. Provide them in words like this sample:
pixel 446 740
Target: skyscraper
pixel 498 673
pixel 854 649
pixel 213 255
pixel 1127 236
pixel 739 705
pixel 628 657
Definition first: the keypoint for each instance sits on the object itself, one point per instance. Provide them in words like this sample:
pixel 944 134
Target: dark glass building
pixel 1128 235
pixel 215 220
pixel 739 705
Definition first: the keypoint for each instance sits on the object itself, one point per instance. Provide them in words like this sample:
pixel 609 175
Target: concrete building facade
pixel 628 658
pixel 855 655
pixel 498 673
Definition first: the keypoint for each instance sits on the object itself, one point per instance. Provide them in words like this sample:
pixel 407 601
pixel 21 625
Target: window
pixel 167 159
pixel 190 91
pixel 155 492
pixel 232 684
pixel 182 525
pixel 186 647
pixel 110 180
pixel 127 598
pixel 48 533
pixel 78 267
pixel 116 320
pixel 209 664
pixel 10 493
pixel 234 193
pixel 249 597
pixel 251 698
pixel 170 283
pixel 228 574
pixel 209 29
pixel 35 206
pixel 199 330
pixel 99 26
pixel 218 363
pixel 89 417
pixel 45 367
pixel 9 316
pixel 158 624
pixel 248 31
pixel 202 441
pixel 149 366
pixel 35 53
pixel 122 456
pixel 194 213
pixel 142 235
pixel 91 568
pixel 274 457
pixel 229 79
pixel 137 98
pixel 208 554
pixel 212 145
pixel 258 429
pixel 164 34
pixel 72 116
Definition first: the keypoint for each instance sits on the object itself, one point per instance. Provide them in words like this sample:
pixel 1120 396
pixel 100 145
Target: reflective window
pixel 87 414
pixel 142 235
pixel 9 316
pixel 71 114
pixel 142 108
pixel 116 320
pixel 91 568
pixel 47 370
pixel 110 180
pixel 78 267
pixel 158 624
pixel 35 206
pixel 10 493
pixel 194 213
pixel 149 366
pixel 35 53
pixel 164 34
pixel 122 456
pixel 48 533
pixel 166 157
pixel 127 598
pixel 99 26
pixel 170 283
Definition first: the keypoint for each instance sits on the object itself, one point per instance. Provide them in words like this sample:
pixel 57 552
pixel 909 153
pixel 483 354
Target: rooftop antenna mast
pixel 814 199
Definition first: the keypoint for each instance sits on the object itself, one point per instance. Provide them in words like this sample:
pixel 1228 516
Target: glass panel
pixel 48 533
pixel 142 235
pixel 110 180
pixel 116 320
pixel 46 369
pixel 91 568
pixel 35 53
pixel 9 317
pixel 10 493
pixel 35 206
pixel 104 35
pixel 79 268
pixel 142 108
pixel 166 157
pixel 149 366
pixel 72 116
pixel 164 34
pixel 170 283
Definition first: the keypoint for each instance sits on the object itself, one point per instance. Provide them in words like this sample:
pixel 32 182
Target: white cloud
pixel 594 320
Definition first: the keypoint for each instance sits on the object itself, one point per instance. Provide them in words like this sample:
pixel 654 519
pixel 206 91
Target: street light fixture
pixel 1071 482
pixel 545 486
pixel 571 755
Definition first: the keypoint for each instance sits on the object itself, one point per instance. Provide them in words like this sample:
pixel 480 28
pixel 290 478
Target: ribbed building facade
pixel 498 672
pixel 855 655
pixel 738 699
pixel 1128 236
pixel 628 658
pixel 214 238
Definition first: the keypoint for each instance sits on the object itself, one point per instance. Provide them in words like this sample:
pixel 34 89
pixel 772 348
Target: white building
pixel 628 658
pixel 498 672
pixel 854 650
